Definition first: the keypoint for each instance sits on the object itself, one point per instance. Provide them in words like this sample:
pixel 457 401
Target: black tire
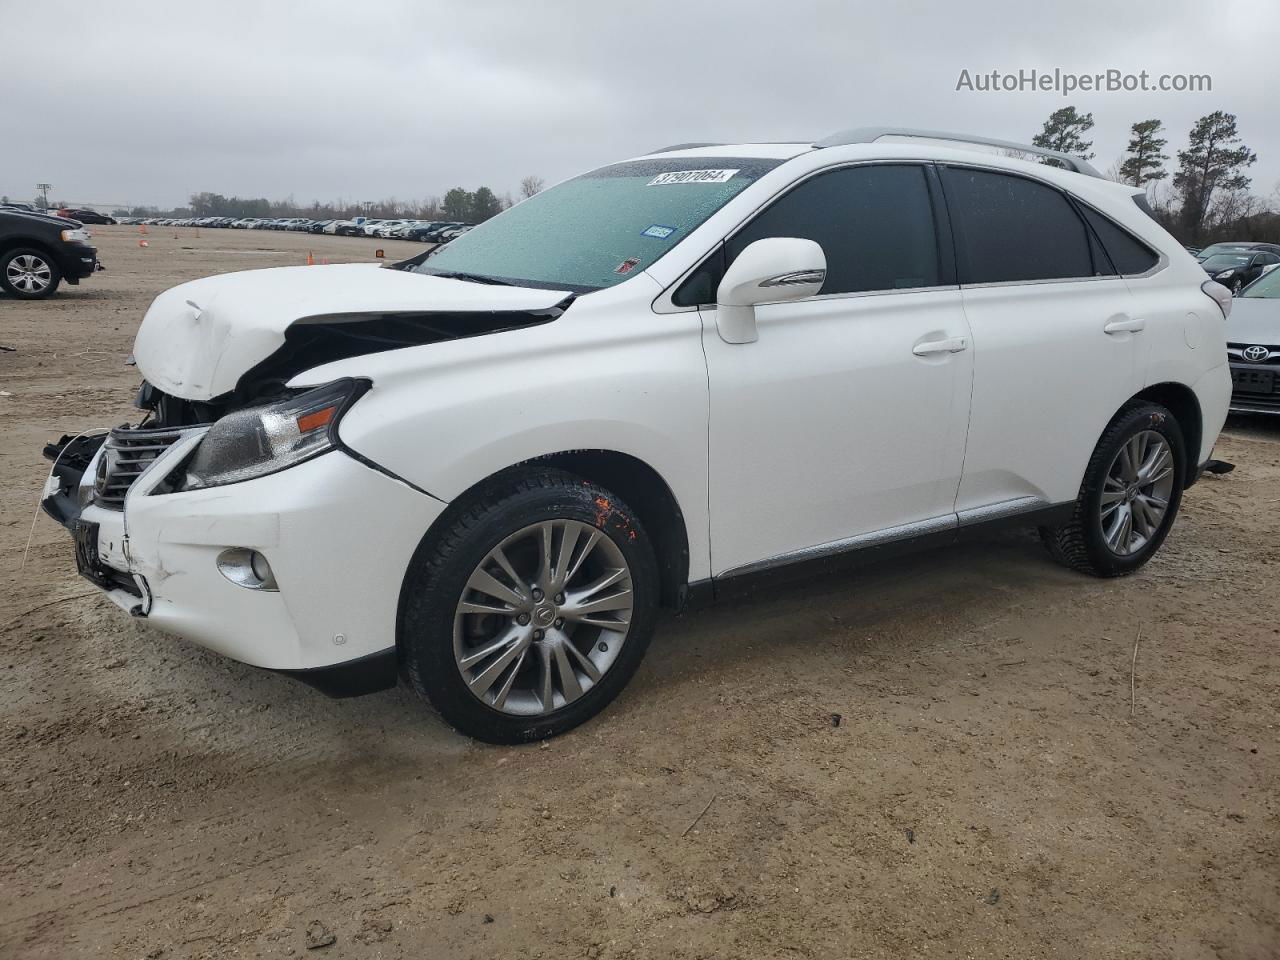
pixel 1079 543
pixel 438 575
pixel 55 274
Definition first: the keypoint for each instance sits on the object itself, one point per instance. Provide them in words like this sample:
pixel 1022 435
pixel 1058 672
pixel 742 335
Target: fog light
pixel 246 568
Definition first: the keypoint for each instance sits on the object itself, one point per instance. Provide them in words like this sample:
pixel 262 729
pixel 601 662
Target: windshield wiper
pixel 473 278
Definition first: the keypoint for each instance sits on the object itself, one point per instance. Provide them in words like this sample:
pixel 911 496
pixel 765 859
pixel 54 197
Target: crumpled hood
pixel 199 338
pixel 1254 320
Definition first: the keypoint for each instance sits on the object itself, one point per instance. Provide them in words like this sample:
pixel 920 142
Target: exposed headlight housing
pixel 78 235
pixel 262 440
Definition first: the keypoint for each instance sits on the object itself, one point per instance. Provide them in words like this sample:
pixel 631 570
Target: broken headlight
pixel 261 440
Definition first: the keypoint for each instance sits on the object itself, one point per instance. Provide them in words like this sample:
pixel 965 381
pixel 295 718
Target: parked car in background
pixel 490 465
pixel 38 252
pixel 1236 269
pixel 1230 246
pixel 86 216
pixel 1253 344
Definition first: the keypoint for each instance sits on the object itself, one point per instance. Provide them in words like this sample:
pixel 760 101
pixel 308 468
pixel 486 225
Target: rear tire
pixel 492 634
pixel 1116 491
pixel 29 274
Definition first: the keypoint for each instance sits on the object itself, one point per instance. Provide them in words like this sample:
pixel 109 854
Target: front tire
pixel 531 609
pixel 1129 498
pixel 29 274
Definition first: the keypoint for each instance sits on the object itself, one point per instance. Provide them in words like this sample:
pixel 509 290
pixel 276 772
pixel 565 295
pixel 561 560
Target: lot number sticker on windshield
pixel 658 231
pixel 692 176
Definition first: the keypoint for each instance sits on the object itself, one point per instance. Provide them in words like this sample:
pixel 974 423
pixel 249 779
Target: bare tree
pixel 530 185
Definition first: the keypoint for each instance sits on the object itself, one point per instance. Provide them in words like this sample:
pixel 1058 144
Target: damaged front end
pixel 189 440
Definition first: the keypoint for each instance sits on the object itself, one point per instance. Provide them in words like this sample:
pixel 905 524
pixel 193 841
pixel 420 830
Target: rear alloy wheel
pixel 1136 492
pixel 530 608
pixel 29 274
pixel 1130 496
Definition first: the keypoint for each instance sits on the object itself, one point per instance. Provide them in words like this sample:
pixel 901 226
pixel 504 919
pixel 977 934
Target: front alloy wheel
pixel 529 605
pixel 29 274
pixel 543 617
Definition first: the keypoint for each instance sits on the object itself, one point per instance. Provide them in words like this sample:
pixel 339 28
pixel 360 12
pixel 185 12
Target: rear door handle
pixel 1124 326
pixel 950 345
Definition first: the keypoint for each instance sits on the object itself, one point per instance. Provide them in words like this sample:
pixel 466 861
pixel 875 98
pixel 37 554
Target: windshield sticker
pixel 657 231
pixel 627 265
pixel 692 176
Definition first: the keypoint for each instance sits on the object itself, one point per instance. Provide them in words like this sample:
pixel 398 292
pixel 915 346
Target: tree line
pixel 458 204
pixel 1209 194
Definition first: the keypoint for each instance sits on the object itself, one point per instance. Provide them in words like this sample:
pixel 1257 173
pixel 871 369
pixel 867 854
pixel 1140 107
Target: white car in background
pixel 1253 344
pixel 490 465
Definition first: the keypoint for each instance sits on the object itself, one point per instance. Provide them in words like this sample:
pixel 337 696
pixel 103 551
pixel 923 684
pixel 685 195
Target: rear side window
pixel 1011 229
pixel 1127 252
pixel 874 223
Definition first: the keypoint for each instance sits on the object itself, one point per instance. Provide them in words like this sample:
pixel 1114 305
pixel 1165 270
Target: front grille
pixel 125 457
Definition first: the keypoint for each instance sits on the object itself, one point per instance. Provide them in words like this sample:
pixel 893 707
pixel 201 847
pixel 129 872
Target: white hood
pixel 198 338
pixel 1254 320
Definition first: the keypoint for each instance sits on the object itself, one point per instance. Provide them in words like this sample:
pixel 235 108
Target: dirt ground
pixel 989 790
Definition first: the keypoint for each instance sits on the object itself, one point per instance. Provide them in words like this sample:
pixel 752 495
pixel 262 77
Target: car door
pixel 1057 344
pixel 844 422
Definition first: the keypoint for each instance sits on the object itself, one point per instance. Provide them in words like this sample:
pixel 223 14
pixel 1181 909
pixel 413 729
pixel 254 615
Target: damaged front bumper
pixel 338 536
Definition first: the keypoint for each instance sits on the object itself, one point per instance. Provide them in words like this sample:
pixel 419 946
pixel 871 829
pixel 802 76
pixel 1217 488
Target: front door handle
pixel 1124 326
pixel 950 345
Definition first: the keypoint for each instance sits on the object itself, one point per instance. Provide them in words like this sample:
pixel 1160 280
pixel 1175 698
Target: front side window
pixel 598 229
pixel 1011 229
pixel 874 223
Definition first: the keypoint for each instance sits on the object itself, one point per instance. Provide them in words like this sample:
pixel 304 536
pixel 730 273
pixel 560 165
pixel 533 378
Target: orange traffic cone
pixel 142 229
pixel 311 261
pixel 143 243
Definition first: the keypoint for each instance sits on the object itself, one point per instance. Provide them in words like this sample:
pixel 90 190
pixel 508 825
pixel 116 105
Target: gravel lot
pixel 985 793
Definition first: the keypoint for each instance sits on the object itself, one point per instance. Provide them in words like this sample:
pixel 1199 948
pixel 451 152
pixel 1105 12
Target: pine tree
pixel 484 204
pixel 1210 163
pixel 1144 164
pixel 1064 130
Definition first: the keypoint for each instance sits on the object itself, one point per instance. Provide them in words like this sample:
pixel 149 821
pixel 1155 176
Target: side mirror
pixel 768 271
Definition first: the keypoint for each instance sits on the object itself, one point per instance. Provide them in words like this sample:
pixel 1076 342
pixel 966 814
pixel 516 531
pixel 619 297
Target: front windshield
pixel 1224 260
pixel 1217 248
pixel 600 228
pixel 1266 286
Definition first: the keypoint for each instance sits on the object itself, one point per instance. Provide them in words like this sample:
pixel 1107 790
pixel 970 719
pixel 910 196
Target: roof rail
pixel 686 146
pixel 872 134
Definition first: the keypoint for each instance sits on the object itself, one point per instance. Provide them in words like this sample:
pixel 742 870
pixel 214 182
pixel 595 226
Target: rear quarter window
pixel 1129 254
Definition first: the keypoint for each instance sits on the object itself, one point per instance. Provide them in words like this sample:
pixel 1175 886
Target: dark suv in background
pixel 38 252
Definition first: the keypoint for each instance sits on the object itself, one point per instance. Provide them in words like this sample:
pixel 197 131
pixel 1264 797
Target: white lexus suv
pixel 486 468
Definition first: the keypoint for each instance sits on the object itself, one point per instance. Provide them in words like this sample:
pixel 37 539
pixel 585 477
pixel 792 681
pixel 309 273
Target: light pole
pixel 44 193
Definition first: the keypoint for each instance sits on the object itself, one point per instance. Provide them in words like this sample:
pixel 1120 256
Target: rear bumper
pixel 338 535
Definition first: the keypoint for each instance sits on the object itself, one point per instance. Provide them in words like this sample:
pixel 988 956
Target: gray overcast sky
pixel 136 102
